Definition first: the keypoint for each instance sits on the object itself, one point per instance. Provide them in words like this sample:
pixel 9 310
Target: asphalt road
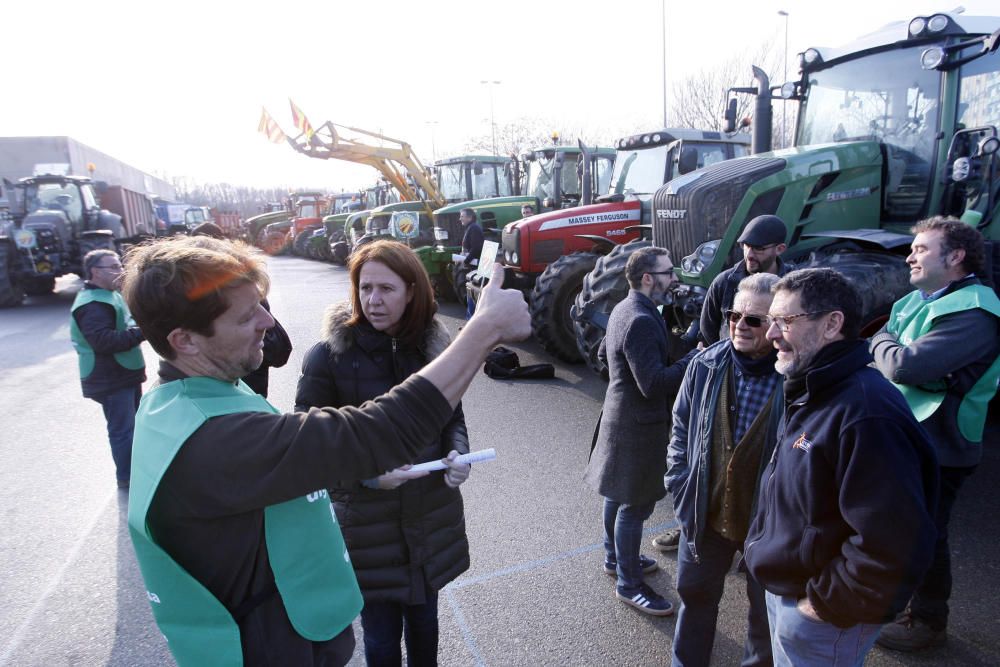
pixel 70 592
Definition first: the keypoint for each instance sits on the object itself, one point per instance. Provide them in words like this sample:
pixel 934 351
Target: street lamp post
pixel 784 104
pixel 493 123
pixel 663 27
pixel 431 124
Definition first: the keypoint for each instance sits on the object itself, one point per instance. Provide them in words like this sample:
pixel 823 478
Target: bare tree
pixel 699 100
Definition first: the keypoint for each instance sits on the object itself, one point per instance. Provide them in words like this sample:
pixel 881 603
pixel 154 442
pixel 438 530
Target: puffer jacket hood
pixel 338 335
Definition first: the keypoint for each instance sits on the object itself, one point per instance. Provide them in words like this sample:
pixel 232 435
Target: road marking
pixel 18 636
pixel 470 640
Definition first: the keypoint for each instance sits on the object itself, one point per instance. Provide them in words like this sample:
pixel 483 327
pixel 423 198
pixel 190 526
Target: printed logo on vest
pixel 316 495
pixel 803 443
pixel 153 597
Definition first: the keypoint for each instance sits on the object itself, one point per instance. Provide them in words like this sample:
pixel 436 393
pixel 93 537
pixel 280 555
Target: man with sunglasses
pixel 763 240
pixel 107 342
pixel 725 424
pixel 940 348
pixel 844 526
pixel 629 456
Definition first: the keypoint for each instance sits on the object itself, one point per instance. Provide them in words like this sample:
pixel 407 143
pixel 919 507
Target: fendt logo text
pixel 671 214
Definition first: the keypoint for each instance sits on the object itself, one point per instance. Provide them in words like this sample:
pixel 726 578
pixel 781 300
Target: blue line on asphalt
pixel 456 608
pixel 470 641
pixel 541 562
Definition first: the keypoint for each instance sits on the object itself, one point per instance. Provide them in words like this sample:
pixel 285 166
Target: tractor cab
pixel 470 177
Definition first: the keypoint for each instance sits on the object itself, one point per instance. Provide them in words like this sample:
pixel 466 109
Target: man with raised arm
pixel 240 551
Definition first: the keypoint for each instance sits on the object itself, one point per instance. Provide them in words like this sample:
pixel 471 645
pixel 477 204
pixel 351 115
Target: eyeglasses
pixel 113 266
pixel 759 248
pixel 753 321
pixel 784 322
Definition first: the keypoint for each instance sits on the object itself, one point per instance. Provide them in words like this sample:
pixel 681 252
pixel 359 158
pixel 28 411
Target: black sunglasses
pixel 753 321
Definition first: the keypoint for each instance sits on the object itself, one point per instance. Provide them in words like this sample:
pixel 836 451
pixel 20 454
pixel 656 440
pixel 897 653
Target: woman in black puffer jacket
pixel 405 531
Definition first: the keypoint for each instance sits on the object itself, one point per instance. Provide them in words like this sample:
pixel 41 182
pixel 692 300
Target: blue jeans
pixel 700 586
pixel 384 623
pixel 798 641
pixel 470 307
pixel 622 539
pixel 119 412
pixel 930 600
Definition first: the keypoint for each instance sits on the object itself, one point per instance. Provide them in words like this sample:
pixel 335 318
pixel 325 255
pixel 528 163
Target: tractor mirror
pixel 730 117
pixel 688 161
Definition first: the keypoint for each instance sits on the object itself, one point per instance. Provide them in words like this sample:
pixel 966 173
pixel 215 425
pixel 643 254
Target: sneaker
pixel 648 565
pixel 647 601
pixel 909 634
pixel 668 541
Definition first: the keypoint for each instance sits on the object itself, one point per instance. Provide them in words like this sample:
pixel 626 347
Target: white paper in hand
pixel 471 457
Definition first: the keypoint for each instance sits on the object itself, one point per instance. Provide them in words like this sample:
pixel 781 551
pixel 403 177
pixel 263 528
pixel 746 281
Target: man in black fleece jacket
pixel 844 525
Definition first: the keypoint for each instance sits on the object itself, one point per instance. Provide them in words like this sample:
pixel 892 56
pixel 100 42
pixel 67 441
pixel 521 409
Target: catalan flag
pixel 301 121
pixel 269 127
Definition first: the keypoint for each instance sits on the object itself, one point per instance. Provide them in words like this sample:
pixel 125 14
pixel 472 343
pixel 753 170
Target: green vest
pixel 911 318
pixel 131 358
pixel 311 566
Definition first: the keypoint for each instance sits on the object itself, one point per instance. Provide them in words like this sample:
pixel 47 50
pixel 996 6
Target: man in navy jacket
pixel 844 527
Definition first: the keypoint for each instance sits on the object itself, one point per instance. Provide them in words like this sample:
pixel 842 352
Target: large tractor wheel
pixel 880 278
pixel 459 276
pixel 301 241
pixel 339 253
pixel 11 291
pixel 554 293
pixel 602 289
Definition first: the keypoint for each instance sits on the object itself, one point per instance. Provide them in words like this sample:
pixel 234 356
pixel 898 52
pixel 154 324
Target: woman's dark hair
pixel 402 261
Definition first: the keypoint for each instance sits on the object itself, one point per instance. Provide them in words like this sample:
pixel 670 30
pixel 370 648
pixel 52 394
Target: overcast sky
pixel 176 88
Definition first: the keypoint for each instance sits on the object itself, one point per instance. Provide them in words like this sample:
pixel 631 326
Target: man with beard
pixel 844 525
pixel 725 424
pixel 762 240
pixel 940 349
pixel 629 456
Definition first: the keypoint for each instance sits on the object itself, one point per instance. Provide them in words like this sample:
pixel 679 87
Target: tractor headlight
pixel 514 259
pixel 932 58
pixel 703 255
pixel 917 26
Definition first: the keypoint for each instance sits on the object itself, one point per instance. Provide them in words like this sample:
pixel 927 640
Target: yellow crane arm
pixel 393 158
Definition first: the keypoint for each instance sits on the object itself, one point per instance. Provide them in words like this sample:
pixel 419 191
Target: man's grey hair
pixel 757 284
pixel 642 261
pixel 93 258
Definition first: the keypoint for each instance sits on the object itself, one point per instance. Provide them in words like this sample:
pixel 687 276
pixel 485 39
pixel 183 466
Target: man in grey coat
pixel 629 457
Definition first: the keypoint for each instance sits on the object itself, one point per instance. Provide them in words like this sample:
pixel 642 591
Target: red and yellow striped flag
pixel 301 121
pixel 269 127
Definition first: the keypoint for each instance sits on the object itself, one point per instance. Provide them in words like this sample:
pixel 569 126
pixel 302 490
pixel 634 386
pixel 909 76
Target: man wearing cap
pixel 763 240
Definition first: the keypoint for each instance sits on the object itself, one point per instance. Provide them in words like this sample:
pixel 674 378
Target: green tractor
pixel 552 181
pixel 893 128
pixel 54 221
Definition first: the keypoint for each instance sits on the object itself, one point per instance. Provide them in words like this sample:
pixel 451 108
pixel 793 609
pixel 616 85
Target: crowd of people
pixel 830 462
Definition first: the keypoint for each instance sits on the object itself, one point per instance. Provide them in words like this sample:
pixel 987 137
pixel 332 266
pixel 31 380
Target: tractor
pixel 898 126
pixel 550 253
pixel 55 221
pixel 552 181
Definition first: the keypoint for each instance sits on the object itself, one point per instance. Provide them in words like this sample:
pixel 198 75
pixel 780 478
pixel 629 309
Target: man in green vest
pixel 241 555
pixel 107 342
pixel 940 348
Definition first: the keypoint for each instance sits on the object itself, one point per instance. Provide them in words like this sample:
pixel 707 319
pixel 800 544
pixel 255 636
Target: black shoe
pixel 668 541
pixel 647 601
pixel 648 565
pixel 909 634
